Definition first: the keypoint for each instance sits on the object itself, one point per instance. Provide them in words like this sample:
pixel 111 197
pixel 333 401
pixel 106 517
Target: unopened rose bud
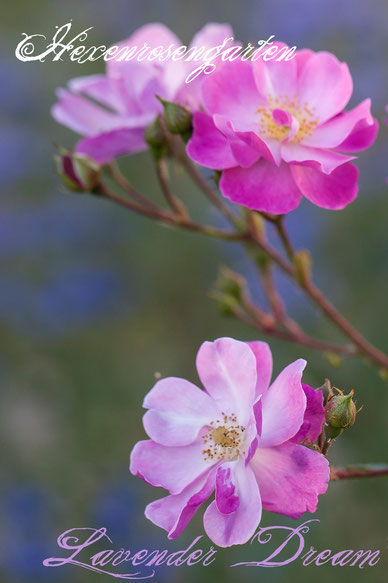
pixel 303 266
pixel 231 284
pixel 178 119
pixel 78 172
pixel 156 139
pixel 227 304
pixel 340 413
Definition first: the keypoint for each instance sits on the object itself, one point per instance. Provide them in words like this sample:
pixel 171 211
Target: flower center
pixel 225 439
pixel 272 126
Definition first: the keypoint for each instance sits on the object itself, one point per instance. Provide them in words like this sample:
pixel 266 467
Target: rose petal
pixel 301 58
pixel 314 416
pixel 362 137
pixel 325 85
pixel 211 35
pixel 171 72
pixel 245 152
pixel 227 369
pixel 172 468
pixel 82 116
pixel 174 512
pixel 323 160
pixel 178 410
pixel 335 131
pixel 107 146
pixel 284 404
pixel 208 146
pixel 226 498
pixel 331 191
pixel 290 478
pixel 263 187
pixel 236 100
pixel 275 78
pixel 237 527
pixel 263 356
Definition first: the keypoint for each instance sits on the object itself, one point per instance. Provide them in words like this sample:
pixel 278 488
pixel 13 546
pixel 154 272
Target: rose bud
pixel 340 414
pixel 78 172
pixel 178 119
pixel 155 138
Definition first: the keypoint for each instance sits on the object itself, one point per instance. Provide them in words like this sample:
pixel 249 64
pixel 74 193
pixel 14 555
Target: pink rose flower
pixel 112 111
pixel 236 438
pixel 278 131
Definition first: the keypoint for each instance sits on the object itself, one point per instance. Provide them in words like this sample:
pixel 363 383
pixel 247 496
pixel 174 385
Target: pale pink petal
pixel 335 131
pixel 290 478
pixel 263 357
pixel 227 369
pixel 301 58
pixel 135 82
pixel 331 191
pixel 174 512
pixel 172 468
pixel 276 78
pixel 211 35
pixel 100 88
pixel 323 160
pixel 170 72
pixel 263 187
pixel 284 404
pixel 208 146
pixel 82 116
pixel 239 526
pixel 314 416
pixel 325 85
pixel 231 92
pixel 178 410
pixel 105 147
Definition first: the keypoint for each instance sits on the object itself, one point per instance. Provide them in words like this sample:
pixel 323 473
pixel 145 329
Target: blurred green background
pixel 94 300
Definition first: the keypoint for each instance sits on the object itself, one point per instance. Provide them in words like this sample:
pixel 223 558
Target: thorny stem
pixel 162 216
pixel 162 175
pixel 253 240
pixel 360 471
pixel 364 347
pixel 255 318
pixel 176 147
pixel 329 310
pixel 279 224
pixel 127 187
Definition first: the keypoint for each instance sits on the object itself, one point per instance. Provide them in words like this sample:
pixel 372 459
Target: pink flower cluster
pixel 240 439
pixel 276 129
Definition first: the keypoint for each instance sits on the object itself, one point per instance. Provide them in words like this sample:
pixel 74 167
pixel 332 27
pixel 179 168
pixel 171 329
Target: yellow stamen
pixel 304 114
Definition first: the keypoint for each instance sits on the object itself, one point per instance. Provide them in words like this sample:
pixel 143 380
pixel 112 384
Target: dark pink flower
pixel 278 131
pixel 236 438
pixel 112 111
